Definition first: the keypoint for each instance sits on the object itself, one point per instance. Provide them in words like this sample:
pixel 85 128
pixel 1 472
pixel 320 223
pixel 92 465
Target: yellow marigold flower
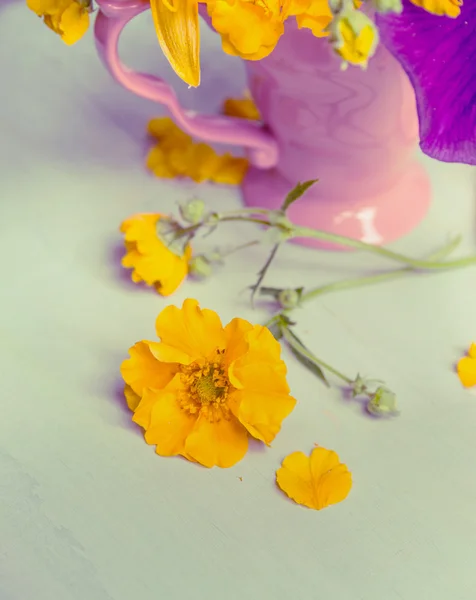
pixel 177 155
pixel 248 28
pixel 467 368
pixel 242 108
pixel 448 8
pixel 151 260
pixel 354 37
pixel 315 481
pixel 312 14
pixel 68 18
pixel 204 388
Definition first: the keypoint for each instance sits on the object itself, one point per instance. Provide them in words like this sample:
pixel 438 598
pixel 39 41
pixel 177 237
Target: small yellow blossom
pixel 177 155
pixel 467 368
pixel 68 18
pixel 315 481
pixel 354 37
pixel 248 28
pixel 152 261
pixel 312 14
pixel 448 8
pixel 242 108
pixel 204 389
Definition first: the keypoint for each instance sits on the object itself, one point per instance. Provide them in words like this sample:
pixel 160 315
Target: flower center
pixel 206 388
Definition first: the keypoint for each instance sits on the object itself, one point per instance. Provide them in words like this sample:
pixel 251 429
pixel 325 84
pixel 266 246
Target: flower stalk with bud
pixel 159 249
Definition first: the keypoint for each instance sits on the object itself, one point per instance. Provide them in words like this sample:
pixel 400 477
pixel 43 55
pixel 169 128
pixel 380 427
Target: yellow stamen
pixel 206 388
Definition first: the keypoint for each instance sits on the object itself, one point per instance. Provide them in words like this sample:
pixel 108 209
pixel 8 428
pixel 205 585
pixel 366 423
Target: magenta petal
pixel 439 56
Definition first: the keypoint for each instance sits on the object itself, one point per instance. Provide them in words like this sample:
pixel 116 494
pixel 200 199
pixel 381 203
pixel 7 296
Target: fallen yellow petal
pixel 315 481
pixel 178 32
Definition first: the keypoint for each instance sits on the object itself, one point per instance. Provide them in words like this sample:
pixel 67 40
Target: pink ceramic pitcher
pixel 356 131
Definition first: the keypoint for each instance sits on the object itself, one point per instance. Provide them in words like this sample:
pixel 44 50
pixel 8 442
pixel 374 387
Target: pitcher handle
pixel 112 17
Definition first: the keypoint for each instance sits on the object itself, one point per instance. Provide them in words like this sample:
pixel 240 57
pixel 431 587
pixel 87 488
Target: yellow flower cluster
pixel 242 108
pixel 67 18
pixel 251 28
pixel 177 155
pixel 152 260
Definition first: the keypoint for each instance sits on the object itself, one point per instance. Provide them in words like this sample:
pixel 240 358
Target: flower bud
pixel 192 210
pixel 354 37
pixel 289 298
pixel 200 267
pixel 382 403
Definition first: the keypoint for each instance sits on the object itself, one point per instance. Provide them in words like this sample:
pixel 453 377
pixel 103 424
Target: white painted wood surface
pixel 87 510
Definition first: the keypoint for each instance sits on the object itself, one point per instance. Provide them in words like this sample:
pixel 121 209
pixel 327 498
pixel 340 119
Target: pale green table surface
pixel 87 510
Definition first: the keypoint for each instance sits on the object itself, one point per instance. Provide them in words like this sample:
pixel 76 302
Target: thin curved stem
pixel 381 251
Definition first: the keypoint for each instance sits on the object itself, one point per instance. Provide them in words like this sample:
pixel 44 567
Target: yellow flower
pixel 177 155
pixel 178 32
pixel 243 108
pixel 68 18
pixel 467 368
pixel 354 37
pixel 448 8
pixel 312 14
pixel 315 481
pixel 248 28
pixel 151 260
pixel 204 388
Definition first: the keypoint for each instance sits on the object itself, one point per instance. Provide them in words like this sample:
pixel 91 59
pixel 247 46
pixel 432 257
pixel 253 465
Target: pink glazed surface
pixel 356 131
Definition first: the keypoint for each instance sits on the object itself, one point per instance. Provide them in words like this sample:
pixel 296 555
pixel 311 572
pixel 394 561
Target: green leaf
pixel 270 291
pixel 296 193
pixel 276 331
pixel 254 288
pixel 303 354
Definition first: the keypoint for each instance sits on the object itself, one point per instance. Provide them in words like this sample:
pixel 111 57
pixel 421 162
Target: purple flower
pixel 439 55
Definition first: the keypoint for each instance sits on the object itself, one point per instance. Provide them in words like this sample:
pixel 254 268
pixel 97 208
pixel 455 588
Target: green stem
pixel 291 341
pixel 381 251
pixel 361 281
pixel 244 212
pixel 316 234
pixel 245 220
pixel 241 247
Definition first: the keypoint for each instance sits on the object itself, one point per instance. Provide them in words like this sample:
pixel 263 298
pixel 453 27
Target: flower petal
pixel 142 370
pixel 74 23
pixel 439 56
pixel 333 487
pixel 331 479
pixel 178 32
pixel 236 342
pixel 261 413
pixel 194 332
pixel 467 371
pixel 472 351
pixel 316 481
pixel 260 367
pixel 169 425
pixel 131 397
pixel 222 443
pixel 294 478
